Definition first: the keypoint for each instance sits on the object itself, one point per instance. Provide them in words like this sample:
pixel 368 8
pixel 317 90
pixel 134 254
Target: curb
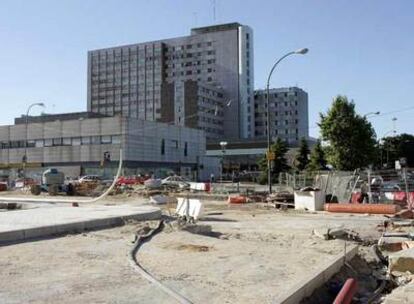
pixel 21 235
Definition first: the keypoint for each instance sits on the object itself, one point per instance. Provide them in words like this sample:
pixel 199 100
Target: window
pixel 95 140
pixel 48 142
pixel 67 141
pixel 76 141
pixel 209 79
pixel 86 140
pixel 106 139
pixel 163 146
pixel 209 43
pixel 209 70
pixel 30 143
pixel 39 143
pixel 189 46
pixel 185 149
pixel 116 139
pixel 57 141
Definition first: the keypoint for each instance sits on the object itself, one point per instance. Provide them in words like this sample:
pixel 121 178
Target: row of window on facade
pixel 276 113
pixel 62 141
pixel 188 46
pixel 123 53
pixel 276 104
pixel 279 132
pixel 190 55
pixel 191 63
pixel 276 123
pixel 275 95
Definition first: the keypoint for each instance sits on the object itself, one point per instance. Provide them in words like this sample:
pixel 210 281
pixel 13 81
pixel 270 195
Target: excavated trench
pixel 369 269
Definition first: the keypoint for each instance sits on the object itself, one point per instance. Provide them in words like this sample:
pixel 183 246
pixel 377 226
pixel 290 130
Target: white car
pixel 176 182
pixel 90 178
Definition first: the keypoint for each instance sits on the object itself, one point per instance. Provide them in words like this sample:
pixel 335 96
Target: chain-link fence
pixel 370 186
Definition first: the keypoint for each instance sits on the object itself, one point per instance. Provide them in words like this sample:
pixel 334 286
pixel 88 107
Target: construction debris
pixel 337 233
pixel 402 261
pixel 162 199
pixel 240 199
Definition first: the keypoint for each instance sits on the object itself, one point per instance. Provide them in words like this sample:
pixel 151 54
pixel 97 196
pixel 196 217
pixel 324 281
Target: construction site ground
pixel 252 256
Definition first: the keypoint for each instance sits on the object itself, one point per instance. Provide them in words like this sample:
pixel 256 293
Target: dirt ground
pixel 252 256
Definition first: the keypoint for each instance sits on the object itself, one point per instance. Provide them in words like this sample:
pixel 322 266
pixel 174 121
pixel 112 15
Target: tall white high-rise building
pixel 128 79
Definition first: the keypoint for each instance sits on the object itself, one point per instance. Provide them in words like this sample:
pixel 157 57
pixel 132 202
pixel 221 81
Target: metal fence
pixel 343 186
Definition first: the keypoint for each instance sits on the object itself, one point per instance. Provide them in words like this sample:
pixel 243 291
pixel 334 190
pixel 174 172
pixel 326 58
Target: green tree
pixel 279 148
pixel 302 158
pixel 393 148
pixel 350 137
pixel 317 158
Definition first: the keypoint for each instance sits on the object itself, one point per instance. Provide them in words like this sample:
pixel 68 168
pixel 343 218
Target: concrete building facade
pixel 128 79
pixel 288 114
pixel 78 146
pixel 194 105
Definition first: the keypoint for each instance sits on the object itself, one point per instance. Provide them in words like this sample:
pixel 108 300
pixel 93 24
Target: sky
pixel 361 49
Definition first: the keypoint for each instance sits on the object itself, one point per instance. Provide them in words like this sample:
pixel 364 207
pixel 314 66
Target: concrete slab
pixel 28 224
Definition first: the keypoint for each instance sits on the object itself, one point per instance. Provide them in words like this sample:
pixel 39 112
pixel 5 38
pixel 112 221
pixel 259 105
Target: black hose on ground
pixel 141 239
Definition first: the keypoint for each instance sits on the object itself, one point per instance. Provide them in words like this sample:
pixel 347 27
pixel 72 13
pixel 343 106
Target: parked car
pixel 90 178
pixel 176 182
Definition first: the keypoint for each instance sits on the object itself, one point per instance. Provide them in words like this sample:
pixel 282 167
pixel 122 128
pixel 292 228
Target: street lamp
pixel 39 104
pixel 297 52
pixel 223 145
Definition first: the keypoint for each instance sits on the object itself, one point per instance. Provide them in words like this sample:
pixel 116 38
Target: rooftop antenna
pixel 213 2
pixel 195 19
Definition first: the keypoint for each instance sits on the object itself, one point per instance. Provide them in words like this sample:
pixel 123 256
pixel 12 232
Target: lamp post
pixel 223 145
pixel 24 160
pixel 269 175
pixel 371 114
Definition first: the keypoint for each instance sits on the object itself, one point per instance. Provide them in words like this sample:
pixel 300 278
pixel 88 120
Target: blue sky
pixel 362 49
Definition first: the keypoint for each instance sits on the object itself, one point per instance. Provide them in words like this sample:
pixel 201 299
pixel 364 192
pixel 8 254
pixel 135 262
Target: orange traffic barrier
pixel 237 200
pixel 363 208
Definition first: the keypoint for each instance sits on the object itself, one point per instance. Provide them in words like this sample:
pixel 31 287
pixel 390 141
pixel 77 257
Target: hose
pixel 141 239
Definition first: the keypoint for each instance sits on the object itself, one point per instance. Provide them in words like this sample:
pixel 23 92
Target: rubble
pixel 337 233
pixel 402 261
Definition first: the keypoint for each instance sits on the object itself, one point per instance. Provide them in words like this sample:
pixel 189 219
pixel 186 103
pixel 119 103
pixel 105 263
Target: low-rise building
pixel 77 146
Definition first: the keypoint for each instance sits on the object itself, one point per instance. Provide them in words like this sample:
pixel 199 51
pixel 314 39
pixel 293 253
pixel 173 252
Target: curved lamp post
pixel 371 114
pixel 269 175
pixel 39 104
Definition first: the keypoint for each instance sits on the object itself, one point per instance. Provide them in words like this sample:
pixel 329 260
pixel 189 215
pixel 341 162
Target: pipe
pixel 57 200
pixel 363 208
pixel 347 292
pixel 141 239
